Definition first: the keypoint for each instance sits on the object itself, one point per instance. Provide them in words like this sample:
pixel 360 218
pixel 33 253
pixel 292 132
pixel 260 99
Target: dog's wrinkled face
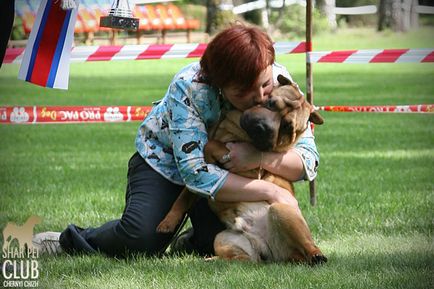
pixel 277 125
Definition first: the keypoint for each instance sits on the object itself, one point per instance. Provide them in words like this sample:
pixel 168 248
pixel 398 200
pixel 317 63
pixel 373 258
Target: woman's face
pixel 259 93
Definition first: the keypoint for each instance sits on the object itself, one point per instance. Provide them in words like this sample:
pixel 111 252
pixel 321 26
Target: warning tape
pixel 117 114
pixel 418 108
pixel 71 114
pixel 149 51
pixel 373 56
pixel 166 51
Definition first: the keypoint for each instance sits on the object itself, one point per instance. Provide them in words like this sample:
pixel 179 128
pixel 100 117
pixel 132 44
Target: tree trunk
pixel 265 15
pixel 327 8
pixel 396 21
pixel 218 15
pixel 382 15
pixel 399 15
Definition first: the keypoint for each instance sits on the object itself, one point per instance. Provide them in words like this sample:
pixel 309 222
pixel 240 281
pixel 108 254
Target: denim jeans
pixel 149 196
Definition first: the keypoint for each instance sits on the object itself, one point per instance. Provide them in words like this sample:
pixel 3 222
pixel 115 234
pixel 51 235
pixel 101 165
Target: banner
pixel 71 114
pixel 415 108
pixel 47 55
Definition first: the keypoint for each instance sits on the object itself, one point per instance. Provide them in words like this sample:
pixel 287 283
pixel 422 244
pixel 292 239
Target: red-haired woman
pixel 237 70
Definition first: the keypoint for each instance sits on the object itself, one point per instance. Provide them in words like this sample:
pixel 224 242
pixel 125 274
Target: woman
pixel 237 70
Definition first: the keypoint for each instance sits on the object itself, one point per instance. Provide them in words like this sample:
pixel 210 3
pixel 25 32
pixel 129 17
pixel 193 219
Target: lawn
pixel 374 218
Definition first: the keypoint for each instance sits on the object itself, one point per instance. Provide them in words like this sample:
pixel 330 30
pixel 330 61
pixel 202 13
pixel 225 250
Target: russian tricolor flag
pixel 47 55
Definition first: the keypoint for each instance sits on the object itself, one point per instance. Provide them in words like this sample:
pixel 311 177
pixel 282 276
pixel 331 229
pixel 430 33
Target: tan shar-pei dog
pixel 258 231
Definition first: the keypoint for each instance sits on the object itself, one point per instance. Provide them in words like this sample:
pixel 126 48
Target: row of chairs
pixel 153 18
pixel 163 18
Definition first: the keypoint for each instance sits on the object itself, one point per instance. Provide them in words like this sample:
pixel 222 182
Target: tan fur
pixel 258 231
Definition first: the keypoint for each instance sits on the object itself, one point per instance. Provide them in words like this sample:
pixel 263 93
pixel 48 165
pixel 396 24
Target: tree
pixel 399 15
pixel 326 7
pixel 218 15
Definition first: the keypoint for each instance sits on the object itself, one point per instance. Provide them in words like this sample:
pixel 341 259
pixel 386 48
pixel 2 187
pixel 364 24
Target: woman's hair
pixel 236 56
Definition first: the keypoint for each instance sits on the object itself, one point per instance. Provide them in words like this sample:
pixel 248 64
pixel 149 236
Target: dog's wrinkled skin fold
pixel 258 231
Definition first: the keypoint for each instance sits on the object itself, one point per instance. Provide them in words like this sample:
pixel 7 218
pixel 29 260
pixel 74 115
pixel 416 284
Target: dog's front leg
pixel 296 232
pixel 214 150
pixel 182 204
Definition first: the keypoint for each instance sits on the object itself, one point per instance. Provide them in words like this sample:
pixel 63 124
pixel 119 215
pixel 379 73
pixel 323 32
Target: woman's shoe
pixel 47 243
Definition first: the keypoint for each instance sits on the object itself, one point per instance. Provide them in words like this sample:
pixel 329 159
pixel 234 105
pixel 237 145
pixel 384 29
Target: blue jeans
pixel 149 196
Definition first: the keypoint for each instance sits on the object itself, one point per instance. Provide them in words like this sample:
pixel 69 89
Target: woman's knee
pixel 145 239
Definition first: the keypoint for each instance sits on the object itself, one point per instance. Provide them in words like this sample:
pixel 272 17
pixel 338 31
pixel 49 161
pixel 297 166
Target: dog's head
pixel 277 125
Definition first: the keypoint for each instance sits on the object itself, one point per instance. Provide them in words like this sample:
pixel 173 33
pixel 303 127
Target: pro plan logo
pixel 20 267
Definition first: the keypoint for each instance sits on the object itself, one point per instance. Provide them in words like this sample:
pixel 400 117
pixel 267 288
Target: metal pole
pixel 309 80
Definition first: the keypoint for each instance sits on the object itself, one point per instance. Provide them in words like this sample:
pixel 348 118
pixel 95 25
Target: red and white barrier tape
pixel 419 108
pixel 373 56
pixel 71 114
pixel 150 51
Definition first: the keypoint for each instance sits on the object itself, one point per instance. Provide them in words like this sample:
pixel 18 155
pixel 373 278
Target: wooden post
pixel 309 79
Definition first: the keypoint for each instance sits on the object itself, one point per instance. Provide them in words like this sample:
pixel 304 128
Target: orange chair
pixel 144 23
pixel 177 17
pixel 88 18
pixel 181 22
pixel 98 12
pixel 89 22
pixel 168 23
pixel 154 19
pixel 176 14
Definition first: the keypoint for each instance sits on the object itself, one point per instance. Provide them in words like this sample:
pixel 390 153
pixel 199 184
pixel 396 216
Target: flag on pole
pixel 47 55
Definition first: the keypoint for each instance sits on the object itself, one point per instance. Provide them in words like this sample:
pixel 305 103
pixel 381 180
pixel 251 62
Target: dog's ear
pixel 316 118
pixel 283 80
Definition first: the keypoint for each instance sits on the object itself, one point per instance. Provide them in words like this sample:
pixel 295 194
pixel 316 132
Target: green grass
pixel 374 217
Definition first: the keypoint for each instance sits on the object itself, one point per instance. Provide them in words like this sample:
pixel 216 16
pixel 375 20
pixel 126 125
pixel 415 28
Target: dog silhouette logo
pixel 23 234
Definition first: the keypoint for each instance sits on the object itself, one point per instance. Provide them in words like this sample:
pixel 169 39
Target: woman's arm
pixel 241 189
pixel 295 164
pixel 245 157
pixel 287 165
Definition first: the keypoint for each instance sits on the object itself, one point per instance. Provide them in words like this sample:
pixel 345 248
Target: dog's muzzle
pixel 262 126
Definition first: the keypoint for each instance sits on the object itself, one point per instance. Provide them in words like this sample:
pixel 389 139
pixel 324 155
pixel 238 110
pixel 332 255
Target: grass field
pixel 374 218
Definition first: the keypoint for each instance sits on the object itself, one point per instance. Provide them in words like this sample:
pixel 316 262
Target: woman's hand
pixel 243 157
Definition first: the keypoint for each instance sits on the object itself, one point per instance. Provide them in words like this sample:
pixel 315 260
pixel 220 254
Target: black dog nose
pixel 259 131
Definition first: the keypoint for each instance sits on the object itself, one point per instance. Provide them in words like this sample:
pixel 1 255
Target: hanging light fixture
pixel 120 17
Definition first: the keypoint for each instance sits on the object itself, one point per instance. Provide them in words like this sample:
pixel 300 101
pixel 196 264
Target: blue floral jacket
pixel 172 136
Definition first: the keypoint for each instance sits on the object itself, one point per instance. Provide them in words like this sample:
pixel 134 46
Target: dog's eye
pixel 271 104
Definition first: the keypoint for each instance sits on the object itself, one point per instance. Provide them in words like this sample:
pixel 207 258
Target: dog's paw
pixel 318 259
pixel 166 227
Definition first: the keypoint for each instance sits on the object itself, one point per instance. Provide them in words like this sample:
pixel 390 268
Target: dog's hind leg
pixel 232 245
pixel 294 228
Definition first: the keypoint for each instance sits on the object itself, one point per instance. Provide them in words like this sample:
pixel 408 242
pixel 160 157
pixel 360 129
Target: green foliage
pixel 293 21
pixel 254 17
